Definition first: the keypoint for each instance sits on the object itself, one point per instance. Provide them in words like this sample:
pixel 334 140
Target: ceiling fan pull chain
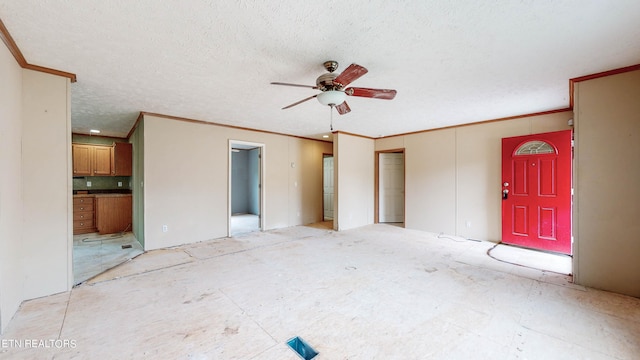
pixel 331 115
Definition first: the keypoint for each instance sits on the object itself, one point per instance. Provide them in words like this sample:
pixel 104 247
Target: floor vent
pixel 301 348
pixel 128 246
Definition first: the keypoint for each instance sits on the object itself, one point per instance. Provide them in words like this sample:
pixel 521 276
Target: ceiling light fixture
pixel 331 97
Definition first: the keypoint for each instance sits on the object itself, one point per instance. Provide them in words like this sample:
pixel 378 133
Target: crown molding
pixel 17 54
pixel 617 71
pixel 178 118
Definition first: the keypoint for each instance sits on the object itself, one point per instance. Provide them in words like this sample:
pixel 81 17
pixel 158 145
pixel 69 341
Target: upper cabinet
pixel 102 160
pixel 82 160
pixel 121 156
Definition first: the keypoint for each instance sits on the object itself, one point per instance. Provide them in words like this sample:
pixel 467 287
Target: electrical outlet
pixel 468 223
pixel 88 183
pixel 119 183
pixel 165 228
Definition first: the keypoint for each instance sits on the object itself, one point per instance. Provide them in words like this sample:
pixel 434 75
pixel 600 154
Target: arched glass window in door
pixel 535 147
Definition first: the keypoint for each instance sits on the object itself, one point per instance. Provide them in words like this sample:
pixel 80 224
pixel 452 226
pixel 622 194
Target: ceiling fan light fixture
pixel 331 97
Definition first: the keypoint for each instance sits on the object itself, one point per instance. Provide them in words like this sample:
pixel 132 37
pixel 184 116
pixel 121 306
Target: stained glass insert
pixel 535 147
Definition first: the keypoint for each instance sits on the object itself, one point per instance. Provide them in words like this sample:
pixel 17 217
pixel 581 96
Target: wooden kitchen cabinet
pixel 121 159
pixel 101 160
pixel 83 215
pixel 113 213
pixel 82 159
pixel 91 160
pixel 103 213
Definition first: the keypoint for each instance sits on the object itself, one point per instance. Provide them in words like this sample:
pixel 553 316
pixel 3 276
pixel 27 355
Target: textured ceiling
pixel 451 62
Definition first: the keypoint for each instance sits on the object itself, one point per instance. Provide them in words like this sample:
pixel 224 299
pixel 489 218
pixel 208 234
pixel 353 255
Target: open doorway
pixel 102 195
pixel 390 195
pixel 245 187
pixel 327 187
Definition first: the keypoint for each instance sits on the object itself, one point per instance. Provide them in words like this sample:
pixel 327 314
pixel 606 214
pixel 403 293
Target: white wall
pixel 186 180
pixel 430 187
pixel 35 186
pixel 46 182
pixel 607 186
pixel 11 275
pixel 354 181
pixel 453 175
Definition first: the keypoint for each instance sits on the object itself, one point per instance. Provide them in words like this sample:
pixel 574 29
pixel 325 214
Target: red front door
pixel 536 191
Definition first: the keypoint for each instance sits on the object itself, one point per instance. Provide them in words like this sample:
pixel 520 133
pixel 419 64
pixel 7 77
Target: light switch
pixel 119 183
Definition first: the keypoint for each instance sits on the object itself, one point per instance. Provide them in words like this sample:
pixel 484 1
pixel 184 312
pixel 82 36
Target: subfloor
pixel 94 253
pixel 377 292
pixel 244 223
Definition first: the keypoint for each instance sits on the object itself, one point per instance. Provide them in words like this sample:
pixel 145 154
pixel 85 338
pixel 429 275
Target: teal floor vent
pixel 301 348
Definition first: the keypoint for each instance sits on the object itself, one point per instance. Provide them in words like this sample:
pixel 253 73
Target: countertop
pixel 102 195
pixel 102 191
pixel 111 195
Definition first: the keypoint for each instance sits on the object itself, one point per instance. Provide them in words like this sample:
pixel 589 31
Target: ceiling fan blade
pixel 386 94
pixel 350 74
pixel 297 85
pixel 299 102
pixel 343 108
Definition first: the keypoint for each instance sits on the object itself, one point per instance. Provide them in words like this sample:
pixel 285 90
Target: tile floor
pixel 94 253
pixel 377 292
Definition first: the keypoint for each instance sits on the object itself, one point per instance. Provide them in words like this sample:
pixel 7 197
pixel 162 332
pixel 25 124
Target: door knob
pixel 505 194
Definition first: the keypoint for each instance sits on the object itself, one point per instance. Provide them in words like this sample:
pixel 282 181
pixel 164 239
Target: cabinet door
pixel 82 159
pixel 102 160
pixel 113 214
pixel 121 159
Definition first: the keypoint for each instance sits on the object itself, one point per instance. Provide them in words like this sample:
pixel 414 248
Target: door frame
pixel 261 197
pixel 376 185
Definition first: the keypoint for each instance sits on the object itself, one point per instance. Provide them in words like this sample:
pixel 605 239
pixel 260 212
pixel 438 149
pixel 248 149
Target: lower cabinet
pixel 103 213
pixel 83 214
pixel 113 213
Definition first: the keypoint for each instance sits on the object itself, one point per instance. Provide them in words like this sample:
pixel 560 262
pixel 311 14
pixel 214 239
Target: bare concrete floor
pixel 377 292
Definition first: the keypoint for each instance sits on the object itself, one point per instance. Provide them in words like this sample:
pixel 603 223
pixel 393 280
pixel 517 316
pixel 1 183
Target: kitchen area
pixel 102 205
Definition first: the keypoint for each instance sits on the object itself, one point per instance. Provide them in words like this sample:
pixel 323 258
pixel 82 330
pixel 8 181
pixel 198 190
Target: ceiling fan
pixel 333 91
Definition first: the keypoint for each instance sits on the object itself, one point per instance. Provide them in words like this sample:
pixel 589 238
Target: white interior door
pixel 327 187
pixel 391 188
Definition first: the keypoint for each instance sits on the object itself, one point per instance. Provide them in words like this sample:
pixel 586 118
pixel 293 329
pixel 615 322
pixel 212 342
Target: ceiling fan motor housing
pixel 325 82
